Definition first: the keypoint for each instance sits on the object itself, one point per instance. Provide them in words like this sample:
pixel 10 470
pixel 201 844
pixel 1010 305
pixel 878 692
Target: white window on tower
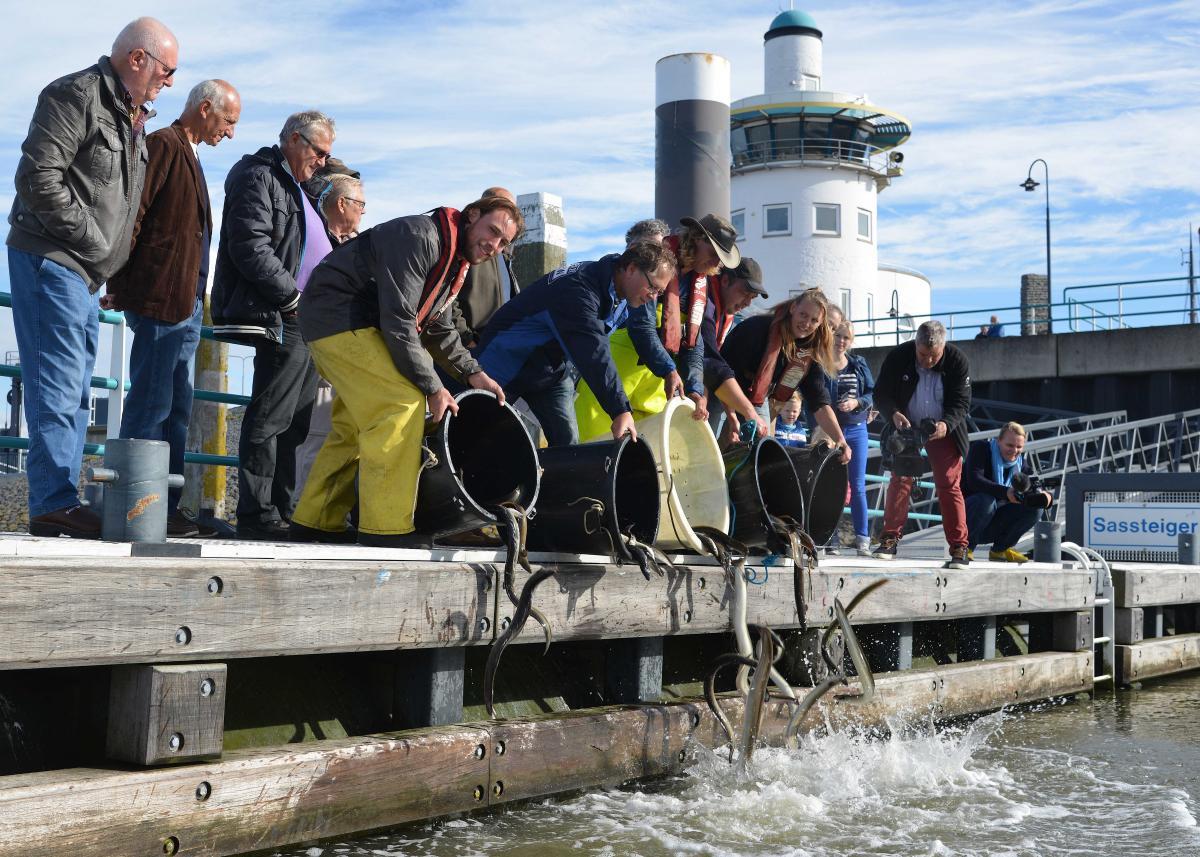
pixel 738 219
pixel 871 314
pixel 827 219
pixel 864 225
pixel 777 219
pixel 845 303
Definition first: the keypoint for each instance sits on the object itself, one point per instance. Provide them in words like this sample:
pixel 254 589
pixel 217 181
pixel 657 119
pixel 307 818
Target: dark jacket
pixel 377 281
pixel 716 370
pixel 743 352
pixel 560 315
pixel 161 279
pixel 481 295
pixel 898 381
pixel 977 472
pixel 866 387
pixel 643 325
pixel 80 176
pixel 262 244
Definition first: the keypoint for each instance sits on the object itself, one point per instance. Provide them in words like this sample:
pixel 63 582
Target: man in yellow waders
pixel 370 311
pixel 660 338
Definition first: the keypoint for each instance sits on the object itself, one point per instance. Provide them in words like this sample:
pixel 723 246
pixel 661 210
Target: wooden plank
pixel 78 611
pixel 1159 657
pixel 255 799
pixel 923 594
pixel 261 799
pixel 1129 625
pixel 160 714
pixel 1141 585
pixel 1072 632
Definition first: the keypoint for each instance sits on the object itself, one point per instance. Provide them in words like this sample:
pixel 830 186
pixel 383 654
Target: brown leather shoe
pixel 78 522
pixel 180 527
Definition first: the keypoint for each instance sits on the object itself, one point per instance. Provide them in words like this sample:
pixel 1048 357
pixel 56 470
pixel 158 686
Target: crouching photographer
pixel 926 383
pixel 1004 498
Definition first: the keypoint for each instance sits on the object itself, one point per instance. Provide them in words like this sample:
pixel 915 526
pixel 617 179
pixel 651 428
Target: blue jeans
pixel 554 406
pixel 999 524
pixel 856 436
pixel 161 365
pixel 57 322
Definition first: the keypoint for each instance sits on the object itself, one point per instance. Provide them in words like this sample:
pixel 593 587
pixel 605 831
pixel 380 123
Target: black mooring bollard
pixel 1047 541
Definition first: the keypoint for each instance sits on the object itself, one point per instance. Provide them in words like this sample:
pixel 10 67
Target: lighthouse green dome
pixel 792 22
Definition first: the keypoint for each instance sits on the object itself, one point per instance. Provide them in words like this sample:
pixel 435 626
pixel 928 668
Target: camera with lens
pixel 1029 492
pixel 900 450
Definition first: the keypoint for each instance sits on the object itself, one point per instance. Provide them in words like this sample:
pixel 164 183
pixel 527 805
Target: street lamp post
pixel 1029 184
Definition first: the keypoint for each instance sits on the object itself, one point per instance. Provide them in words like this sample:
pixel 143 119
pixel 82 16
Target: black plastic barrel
pixel 592 494
pixel 762 480
pixel 824 480
pixel 475 459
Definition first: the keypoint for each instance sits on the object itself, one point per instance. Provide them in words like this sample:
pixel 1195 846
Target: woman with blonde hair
pixel 788 350
pixel 851 388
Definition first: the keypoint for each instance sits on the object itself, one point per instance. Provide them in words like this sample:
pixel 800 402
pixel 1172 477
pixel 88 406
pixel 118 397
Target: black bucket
pixel 824 479
pixel 475 459
pixel 594 493
pixel 762 480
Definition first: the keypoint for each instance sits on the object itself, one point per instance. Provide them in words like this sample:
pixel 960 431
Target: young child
pixel 790 430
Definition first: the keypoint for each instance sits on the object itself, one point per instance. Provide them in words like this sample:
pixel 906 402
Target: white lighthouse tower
pixel 808 166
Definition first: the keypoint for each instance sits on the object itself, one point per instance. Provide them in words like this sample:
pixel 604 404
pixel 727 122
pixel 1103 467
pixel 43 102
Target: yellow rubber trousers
pixel 377 424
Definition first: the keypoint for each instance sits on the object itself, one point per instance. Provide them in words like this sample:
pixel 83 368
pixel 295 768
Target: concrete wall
pixel 1146 371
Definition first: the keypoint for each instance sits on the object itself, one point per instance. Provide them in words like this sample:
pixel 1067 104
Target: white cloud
pixel 435 101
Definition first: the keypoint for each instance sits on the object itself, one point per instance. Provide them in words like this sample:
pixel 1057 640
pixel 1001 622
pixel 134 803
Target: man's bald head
pixel 502 192
pixel 145 55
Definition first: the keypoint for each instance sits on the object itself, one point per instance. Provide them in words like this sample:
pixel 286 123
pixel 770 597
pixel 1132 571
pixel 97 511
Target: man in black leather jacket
pixel 78 183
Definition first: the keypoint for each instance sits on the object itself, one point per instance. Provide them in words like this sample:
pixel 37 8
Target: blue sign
pixel 1154 526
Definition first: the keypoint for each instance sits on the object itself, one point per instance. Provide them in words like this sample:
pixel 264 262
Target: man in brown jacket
pixel 162 287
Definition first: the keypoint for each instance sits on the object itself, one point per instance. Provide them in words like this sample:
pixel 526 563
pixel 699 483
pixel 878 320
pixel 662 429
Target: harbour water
pixel 1113 776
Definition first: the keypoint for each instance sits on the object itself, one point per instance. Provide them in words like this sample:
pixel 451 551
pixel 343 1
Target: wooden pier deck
pixel 148 630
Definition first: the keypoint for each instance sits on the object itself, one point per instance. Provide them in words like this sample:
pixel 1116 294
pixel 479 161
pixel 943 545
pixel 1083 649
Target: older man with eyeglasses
pixel 78 184
pixel 272 237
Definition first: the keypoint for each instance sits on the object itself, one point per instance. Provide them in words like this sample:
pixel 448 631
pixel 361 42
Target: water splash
pixel 969 791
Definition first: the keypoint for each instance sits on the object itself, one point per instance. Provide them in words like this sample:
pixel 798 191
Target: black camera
pixel 928 428
pixel 1028 491
pixel 900 450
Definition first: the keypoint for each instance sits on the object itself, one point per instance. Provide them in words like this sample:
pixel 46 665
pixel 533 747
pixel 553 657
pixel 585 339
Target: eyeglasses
pixel 321 154
pixel 362 206
pixel 170 71
pixel 655 291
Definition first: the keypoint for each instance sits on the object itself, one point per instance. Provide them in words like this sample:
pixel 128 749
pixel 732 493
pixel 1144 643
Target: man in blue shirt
pixel 568 316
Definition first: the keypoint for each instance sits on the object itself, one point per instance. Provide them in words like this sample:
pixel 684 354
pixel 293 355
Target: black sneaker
pixel 832 551
pixel 960 558
pixel 263 531
pixel 887 546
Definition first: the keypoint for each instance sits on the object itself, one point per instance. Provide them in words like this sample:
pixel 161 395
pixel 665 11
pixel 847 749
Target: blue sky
pixel 435 101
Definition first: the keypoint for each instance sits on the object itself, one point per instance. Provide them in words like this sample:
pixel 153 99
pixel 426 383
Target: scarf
pixel 723 321
pixel 793 373
pixel 1002 471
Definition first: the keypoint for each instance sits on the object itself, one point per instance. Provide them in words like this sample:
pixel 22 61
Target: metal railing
pixel 800 149
pixel 1102 443
pixel 116 384
pixel 1073 313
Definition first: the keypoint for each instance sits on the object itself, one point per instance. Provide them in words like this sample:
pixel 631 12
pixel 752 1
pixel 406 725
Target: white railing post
pixel 116 369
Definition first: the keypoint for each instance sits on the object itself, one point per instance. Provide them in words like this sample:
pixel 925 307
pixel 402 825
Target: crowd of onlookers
pixel 359 336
